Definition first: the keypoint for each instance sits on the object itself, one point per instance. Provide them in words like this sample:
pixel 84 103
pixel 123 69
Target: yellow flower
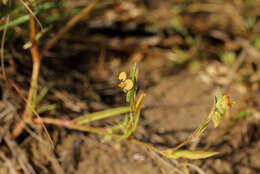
pixel 126 84
pixel 122 76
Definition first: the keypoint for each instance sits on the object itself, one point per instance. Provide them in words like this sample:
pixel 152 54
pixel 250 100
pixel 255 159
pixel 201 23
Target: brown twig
pixel 36 57
pixel 27 116
pixel 68 26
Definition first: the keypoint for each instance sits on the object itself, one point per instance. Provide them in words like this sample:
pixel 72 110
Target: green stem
pixel 101 115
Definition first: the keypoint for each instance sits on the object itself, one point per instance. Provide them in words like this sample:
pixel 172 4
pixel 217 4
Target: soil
pixel 84 71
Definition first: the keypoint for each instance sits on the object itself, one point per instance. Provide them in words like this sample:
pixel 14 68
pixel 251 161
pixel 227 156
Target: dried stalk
pixel 2 47
pixel 36 57
pixel 71 125
pixel 68 26
pixel 21 125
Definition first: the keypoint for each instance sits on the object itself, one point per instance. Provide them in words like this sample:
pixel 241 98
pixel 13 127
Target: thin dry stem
pixel 169 166
pixel 199 170
pixel 8 163
pixel 68 26
pixel 31 13
pixel 70 125
pixel 19 155
pixel 194 135
pixel 36 57
pixel 2 47
pixel 19 127
pixel 27 116
pixel 36 66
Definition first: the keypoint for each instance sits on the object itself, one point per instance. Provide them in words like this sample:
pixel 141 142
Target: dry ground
pixel 179 77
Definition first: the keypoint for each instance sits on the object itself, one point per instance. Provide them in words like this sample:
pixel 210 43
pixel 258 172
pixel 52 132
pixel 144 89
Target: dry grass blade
pixel 68 26
pixel 101 115
pixel 36 136
pixel 236 66
pixel 2 47
pixel 14 133
pixel 31 12
pixel 30 103
pixel 19 155
pixel 47 152
pixel 7 114
pixel 227 9
pixel 200 171
pixel 8 163
pixel 171 167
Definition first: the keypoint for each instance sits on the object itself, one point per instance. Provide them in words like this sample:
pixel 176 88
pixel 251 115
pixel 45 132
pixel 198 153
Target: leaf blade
pixel 101 115
pixel 188 154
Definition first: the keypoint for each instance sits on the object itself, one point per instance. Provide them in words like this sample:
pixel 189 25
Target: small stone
pixel 138 157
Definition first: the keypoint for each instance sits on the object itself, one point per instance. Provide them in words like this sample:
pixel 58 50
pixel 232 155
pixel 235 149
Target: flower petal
pixel 122 76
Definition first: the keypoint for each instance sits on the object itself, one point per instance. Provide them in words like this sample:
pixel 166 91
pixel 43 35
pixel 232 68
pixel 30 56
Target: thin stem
pixel 33 91
pixel 2 47
pixel 101 115
pixel 19 127
pixel 103 131
pixel 36 57
pixel 68 26
pixel 36 68
pixel 31 13
pixel 195 134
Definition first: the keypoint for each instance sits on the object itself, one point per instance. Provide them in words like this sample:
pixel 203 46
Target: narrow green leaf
pixel 132 73
pixel 43 93
pixel 219 103
pixel 107 137
pixel 126 121
pixel 38 36
pixel 15 22
pixel 25 17
pixel 188 154
pixel 46 108
pixel 129 95
pixel 202 128
pixel 136 119
pixel 138 111
pixel 216 119
pixel 101 115
pixel 241 115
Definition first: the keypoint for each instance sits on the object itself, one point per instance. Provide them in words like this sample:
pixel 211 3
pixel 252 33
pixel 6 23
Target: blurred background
pixel 184 50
